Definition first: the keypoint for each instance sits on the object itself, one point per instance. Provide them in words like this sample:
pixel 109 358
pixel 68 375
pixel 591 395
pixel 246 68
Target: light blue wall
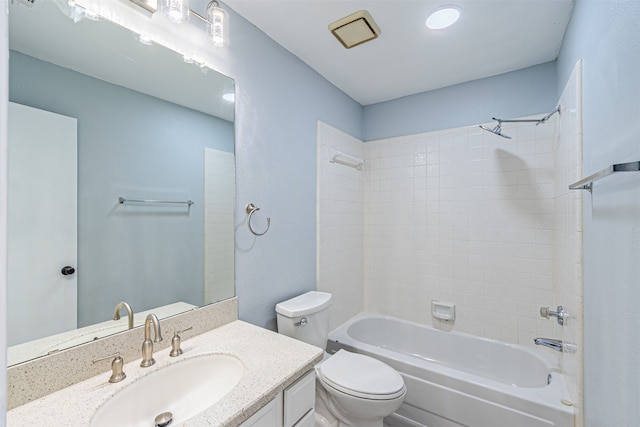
pixel 137 146
pixel 606 35
pixel 516 94
pixel 279 101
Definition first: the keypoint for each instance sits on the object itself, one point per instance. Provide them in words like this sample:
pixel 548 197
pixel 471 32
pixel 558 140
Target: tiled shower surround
pixel 340 228
pixel 466 217
pixel 461 216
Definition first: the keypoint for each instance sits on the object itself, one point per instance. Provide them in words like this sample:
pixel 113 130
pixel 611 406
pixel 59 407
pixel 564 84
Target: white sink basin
pixel 185 389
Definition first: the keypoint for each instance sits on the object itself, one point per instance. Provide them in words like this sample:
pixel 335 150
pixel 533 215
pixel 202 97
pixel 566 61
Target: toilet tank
pixel 313 307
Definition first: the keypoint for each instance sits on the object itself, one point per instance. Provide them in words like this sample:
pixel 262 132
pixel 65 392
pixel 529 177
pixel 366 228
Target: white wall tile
pixel 487 227
pixel 340 228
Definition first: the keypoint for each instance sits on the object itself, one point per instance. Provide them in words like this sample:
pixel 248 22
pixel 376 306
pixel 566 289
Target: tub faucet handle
pixel 560 314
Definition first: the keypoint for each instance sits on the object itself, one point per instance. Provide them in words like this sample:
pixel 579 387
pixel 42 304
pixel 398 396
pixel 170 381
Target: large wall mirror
pixel 121 181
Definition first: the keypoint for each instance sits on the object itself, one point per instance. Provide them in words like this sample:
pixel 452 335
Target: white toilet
pixel 351 389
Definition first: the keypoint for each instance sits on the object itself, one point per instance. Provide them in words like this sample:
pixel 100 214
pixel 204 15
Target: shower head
pixel 497 129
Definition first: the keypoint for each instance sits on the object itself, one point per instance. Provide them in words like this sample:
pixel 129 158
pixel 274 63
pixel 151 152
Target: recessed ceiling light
pixel 443 17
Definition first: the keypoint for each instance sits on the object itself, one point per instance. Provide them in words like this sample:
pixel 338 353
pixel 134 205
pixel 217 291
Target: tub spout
pixel 557 345
pixel 551 343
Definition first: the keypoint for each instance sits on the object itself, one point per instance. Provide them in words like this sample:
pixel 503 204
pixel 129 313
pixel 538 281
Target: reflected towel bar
pixel 347 159
pixel 587 183
pixel 122 200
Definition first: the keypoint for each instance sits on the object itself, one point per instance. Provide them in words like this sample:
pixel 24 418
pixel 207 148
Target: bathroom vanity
pixel 276 386
pixel 293 407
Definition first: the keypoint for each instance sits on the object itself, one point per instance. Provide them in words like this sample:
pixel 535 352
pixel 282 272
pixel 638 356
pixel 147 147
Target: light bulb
pixel 176 11
pixel 217 27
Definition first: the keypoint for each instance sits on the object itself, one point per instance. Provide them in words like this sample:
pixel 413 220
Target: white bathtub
pixel 455 379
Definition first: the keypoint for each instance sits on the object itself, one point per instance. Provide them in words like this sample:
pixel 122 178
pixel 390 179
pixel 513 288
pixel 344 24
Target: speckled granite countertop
pixel 272 362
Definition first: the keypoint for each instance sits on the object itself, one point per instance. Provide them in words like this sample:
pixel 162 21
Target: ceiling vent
pixel 355 29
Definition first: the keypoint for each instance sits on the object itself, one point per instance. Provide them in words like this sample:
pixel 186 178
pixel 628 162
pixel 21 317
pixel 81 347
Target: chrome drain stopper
pixel 164 419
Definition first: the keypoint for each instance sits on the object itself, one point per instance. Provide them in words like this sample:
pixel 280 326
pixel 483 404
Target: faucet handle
pixel 561 314
pixel 117 374
pixel 175 343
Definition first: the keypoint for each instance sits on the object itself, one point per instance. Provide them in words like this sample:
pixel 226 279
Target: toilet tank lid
pixel 304 304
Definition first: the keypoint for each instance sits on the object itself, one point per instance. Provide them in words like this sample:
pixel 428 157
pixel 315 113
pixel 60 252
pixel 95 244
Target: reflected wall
pixel 137 146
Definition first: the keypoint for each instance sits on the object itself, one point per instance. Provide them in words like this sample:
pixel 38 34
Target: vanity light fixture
pixel 176 11
pixel 217 24
pixel 150 6
pixel 216 19
pixel 145 29
pixel 443 17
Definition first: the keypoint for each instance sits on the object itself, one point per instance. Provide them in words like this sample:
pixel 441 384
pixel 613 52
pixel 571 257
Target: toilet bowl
pixel 358 390
pixel 351 389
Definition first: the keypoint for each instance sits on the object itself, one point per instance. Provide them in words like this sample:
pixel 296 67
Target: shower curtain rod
pixel 498 128
pixel 536 121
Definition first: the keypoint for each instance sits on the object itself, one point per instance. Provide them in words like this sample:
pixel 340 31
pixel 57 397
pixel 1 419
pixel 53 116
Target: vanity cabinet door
pixel 269 416
pixel 297 403
pixel 299 400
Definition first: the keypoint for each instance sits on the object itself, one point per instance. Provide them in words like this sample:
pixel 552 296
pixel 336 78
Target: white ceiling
pixel 490 38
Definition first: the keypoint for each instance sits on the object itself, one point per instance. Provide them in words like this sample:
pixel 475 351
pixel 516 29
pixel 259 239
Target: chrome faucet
pixel 116 312
pixel 557 345
pixel 147 345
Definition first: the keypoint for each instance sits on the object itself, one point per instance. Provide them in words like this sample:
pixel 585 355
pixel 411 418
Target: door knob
pixel 67 270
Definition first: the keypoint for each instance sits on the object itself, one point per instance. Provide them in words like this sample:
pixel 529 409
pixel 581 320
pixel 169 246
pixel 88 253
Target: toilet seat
pixel 361 376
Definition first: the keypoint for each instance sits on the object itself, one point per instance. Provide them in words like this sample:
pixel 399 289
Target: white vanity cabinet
pixel 269 416
pixel 294 407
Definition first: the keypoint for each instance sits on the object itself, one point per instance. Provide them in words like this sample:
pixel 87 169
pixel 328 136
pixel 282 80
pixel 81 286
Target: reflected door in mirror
pixel 42 216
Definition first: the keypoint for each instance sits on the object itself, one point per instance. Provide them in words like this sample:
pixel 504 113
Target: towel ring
pixel 251 208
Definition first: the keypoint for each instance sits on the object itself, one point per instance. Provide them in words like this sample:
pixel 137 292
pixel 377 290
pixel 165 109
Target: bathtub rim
pixel 550 360
pixel 549 396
